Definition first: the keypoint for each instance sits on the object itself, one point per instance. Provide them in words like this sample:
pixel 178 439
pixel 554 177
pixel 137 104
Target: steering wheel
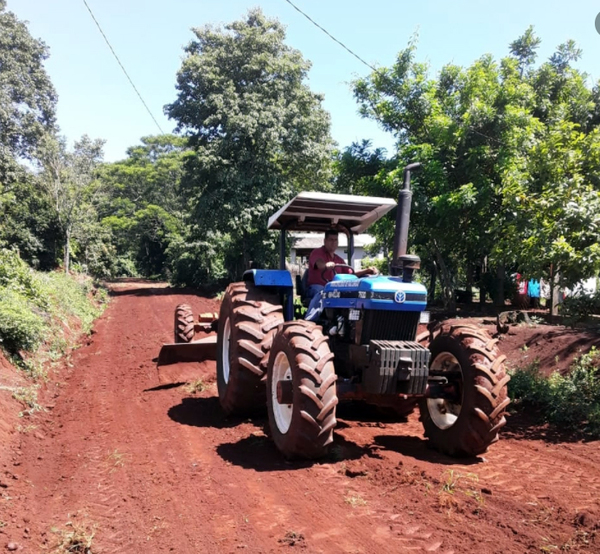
pixel 334 271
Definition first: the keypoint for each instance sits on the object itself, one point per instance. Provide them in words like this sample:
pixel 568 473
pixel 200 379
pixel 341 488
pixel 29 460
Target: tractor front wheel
pixel 467 420
pixel 248 320
pixel 301 390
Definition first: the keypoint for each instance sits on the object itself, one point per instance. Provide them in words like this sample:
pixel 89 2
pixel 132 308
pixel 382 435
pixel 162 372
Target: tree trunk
pixel 446 282
pixel 67 250
pixel 554 291
pixel 432 281
pixel 500 277
pixel 469 286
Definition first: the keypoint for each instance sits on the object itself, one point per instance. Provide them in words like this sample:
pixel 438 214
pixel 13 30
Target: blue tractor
pixel 363 346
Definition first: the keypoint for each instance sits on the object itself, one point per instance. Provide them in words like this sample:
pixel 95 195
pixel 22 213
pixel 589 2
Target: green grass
pixel 43 309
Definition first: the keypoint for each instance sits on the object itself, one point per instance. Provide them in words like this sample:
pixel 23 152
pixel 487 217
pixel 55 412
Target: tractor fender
pixel 277 280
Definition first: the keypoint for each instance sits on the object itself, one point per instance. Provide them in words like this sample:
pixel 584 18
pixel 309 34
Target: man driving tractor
pixel 321 269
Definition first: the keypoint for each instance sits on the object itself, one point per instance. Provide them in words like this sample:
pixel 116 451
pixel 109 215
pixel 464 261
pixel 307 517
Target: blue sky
pixel 148 35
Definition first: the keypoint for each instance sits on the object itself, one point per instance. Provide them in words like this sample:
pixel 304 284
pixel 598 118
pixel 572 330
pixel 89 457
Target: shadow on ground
pixel 158 291
pixel 530 426
pixel 260 454
pixel 418 448
pixel 204 412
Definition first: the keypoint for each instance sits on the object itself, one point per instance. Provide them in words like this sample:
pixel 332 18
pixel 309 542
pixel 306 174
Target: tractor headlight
pixel 424 317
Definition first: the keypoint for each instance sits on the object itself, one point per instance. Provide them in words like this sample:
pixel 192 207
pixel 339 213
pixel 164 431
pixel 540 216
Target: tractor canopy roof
pixel 319 211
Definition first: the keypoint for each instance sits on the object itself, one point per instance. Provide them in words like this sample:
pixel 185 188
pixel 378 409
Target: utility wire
pixel 378 71
pixel 330 36
pixel 121 65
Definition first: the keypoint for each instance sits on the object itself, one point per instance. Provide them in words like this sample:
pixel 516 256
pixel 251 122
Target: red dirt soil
pixel 159 469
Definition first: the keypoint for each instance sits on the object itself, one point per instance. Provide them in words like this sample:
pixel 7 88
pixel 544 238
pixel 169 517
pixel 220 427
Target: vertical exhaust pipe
pixel 403 264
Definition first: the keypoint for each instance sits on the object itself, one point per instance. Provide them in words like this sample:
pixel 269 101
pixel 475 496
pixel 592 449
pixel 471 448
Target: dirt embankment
pixel 134 467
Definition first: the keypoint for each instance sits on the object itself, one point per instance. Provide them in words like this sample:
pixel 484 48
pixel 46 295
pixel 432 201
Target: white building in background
pixel 304 243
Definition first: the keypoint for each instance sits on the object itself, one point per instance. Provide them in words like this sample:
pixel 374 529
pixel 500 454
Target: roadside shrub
pixel 21 327
pixel 19 277
pixel 571 401
pixel 68 297
pixel 38 307
pixel 579 307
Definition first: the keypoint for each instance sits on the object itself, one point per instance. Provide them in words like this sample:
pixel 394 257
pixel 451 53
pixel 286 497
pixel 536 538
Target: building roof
pixel 319 211
pixel 310 241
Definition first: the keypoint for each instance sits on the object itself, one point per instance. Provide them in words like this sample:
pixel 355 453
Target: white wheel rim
pixel 444 412
pixel 225 353
pixel 282 412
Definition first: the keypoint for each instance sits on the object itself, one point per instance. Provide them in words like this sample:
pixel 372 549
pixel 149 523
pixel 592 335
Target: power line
pixel 375 70
pixel 121 65
pixel 331 36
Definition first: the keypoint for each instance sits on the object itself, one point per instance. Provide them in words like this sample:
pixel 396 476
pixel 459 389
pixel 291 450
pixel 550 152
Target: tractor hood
pixel 375 293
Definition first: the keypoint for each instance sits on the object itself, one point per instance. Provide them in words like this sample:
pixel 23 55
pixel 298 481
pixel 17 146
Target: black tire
pixel 250 317
pixel 310 419
pixel 470 425
pixel 184 323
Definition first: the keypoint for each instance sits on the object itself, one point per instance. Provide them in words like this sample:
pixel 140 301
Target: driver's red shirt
pixel 314 274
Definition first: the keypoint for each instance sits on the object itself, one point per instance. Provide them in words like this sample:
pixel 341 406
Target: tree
pixel 68 178
pixel 28 222
pixel 142 204
pixel 511 160
pixel 27 97
pixel 258 133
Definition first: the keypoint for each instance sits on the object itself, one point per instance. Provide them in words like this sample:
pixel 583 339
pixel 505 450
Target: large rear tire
pixel 301 354
pixel 468 423
pixel 184 323
pixel 248 320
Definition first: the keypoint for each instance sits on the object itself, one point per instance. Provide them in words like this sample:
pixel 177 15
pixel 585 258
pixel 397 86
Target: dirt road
pixel 150 469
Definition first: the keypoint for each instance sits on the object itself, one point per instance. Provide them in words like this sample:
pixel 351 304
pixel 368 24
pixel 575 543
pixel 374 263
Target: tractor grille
pixel 384 325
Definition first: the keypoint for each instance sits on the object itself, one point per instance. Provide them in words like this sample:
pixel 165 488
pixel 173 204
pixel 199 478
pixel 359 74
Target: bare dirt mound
pixel 11 382
pixel 135 467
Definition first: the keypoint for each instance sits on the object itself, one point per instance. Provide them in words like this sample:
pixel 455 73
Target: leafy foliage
pixel 21 328
pixel 580 306
pixel 571 401
pixel 258 134
pixel 68 178
pixel 511 160
pixel 38 307
pixel 142 208
pixel 27 97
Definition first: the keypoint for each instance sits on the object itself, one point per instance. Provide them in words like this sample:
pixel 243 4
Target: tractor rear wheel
pixel 466 422
pixel 184 323
pixel 248 320
pixel 301 390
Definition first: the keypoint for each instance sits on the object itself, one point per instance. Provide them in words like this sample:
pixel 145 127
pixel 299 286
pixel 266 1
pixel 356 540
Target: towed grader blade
pixel 181 362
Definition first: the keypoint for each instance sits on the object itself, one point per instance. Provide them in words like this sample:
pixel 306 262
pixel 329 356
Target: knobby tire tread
pixel 184 323
pixel 314 396
pixel 485 397
pixel 255 315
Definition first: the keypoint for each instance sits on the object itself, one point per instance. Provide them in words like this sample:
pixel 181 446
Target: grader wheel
pixel 467 422
pixel 247 323
pixel 184 323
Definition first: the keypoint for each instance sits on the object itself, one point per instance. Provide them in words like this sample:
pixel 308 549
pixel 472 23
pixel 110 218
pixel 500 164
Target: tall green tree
pixel 27 97
pixel 258 133
pixel 68 178
pixel 142 204
pixel 510 154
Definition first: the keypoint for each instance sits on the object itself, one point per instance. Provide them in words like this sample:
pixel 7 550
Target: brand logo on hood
pixel 400 296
